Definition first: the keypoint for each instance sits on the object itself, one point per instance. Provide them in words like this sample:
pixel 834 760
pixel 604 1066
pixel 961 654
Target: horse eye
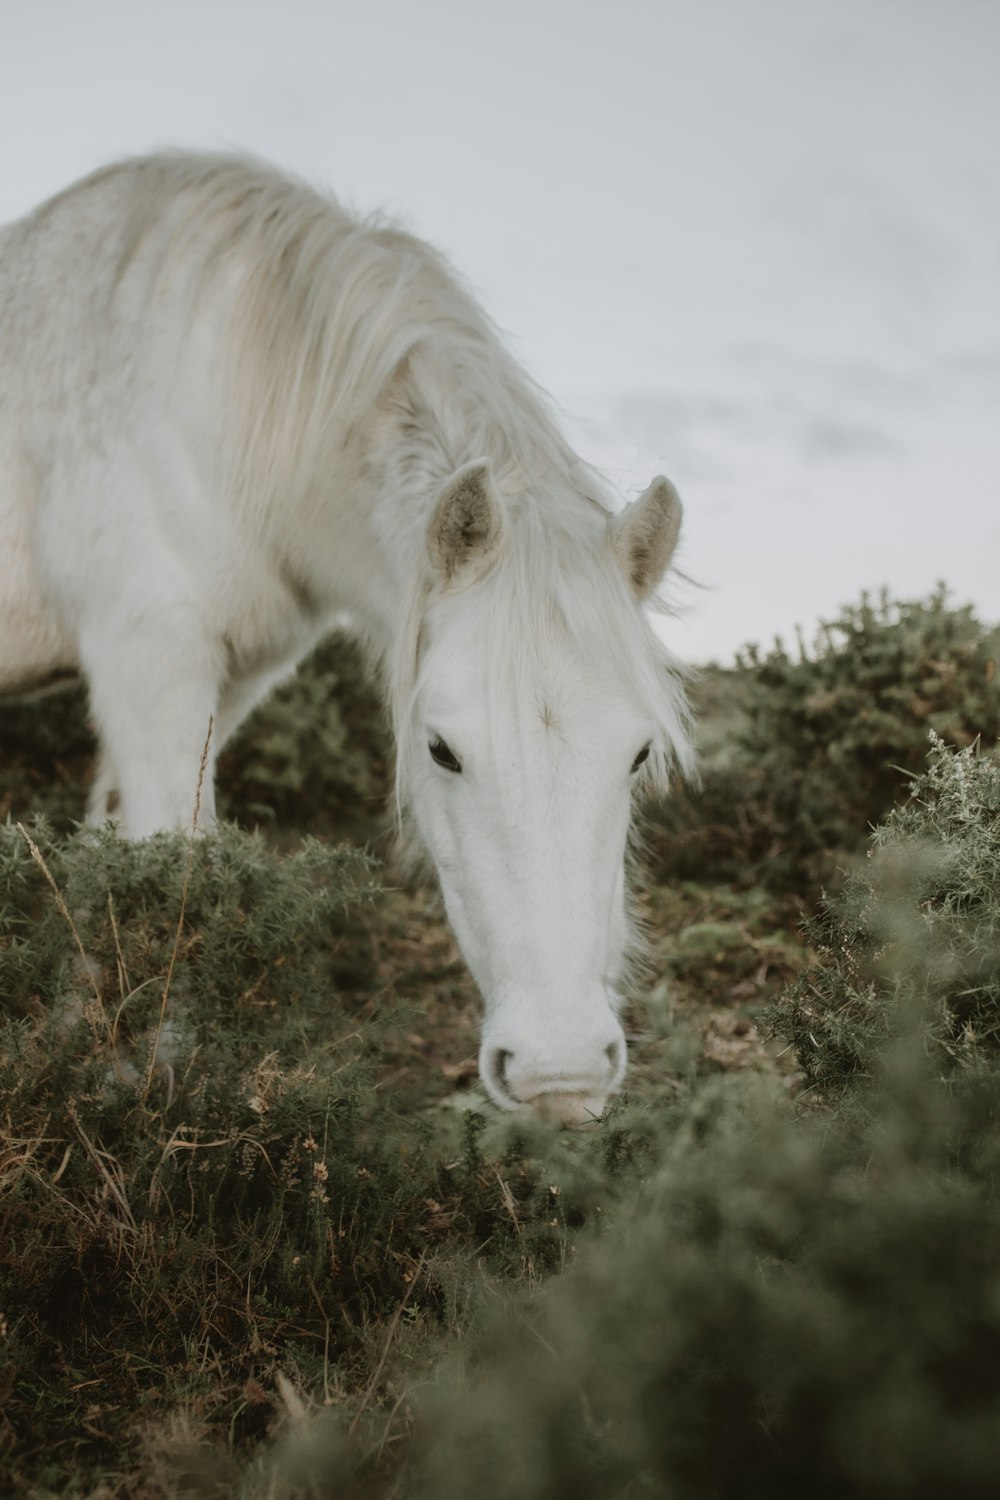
pixel 444 755
pixel 643 755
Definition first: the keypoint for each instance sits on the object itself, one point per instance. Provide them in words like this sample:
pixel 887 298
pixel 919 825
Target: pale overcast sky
pixel 752 243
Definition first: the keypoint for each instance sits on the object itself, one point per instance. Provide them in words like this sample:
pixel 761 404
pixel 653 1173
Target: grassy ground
pixel 260 1233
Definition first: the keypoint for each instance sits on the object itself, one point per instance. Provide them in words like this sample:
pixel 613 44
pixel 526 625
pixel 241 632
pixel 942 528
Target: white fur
pixel 230 412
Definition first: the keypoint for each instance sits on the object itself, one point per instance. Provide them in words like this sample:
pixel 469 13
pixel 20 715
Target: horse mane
pixel 326 312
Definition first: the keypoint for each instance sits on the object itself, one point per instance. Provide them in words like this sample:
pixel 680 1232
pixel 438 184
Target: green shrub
pixel 316 753
pixel 793 1309
pixel 916 930
pixel 206 1178
pixel 826 739
pixel 261 929
pixel 788 1306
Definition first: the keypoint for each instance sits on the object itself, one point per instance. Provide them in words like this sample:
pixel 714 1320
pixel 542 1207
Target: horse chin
pixel 559 1107
pixel 568 1109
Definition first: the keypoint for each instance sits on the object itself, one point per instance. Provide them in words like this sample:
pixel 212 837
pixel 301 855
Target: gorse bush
pixel 165 1159
pixel 791 1309
pixel 916 931
pixel 204 1181
pixel 244 1252
pixel 260 930
pixel 316 752
pixel 827 738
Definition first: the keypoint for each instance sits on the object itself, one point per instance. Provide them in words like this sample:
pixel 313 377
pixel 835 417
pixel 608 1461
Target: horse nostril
pixel 613 1053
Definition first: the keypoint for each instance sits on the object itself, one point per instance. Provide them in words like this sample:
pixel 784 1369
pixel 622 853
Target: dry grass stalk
pixel 39 859
pixel 390 1335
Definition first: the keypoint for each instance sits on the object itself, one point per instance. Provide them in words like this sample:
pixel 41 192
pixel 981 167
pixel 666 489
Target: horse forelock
pixel 554 598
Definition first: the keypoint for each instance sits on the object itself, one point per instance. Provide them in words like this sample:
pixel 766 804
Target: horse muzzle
pixel 570 1084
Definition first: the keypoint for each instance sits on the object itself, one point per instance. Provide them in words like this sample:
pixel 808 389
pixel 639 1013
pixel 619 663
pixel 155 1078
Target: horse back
pixel 119 300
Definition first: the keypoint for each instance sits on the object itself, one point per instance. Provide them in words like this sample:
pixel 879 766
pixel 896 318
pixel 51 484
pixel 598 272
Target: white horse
pixel 230 412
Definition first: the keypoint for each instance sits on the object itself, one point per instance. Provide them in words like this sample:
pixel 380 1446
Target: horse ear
pixel 645 535
pixel 468 521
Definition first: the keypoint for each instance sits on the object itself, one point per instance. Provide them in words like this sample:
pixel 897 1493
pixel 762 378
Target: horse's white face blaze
pixel 529 843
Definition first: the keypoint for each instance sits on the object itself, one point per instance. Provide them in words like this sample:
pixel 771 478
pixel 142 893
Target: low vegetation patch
pixel 212 1187
pixel 808 749
pixel 914 932
pixel 260 1236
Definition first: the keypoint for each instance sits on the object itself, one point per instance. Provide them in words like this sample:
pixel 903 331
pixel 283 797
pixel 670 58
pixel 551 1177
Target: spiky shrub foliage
pixel 827 736
pixel 789 1306
pixel 917 926
pixel 170 1135
pixel 203 1180
pixel 790 1310
pixel 258 929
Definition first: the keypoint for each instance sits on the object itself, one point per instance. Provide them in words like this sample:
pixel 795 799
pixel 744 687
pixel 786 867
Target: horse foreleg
pixel 153 693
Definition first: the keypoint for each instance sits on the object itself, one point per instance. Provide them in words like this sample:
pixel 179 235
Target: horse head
pixel 540 698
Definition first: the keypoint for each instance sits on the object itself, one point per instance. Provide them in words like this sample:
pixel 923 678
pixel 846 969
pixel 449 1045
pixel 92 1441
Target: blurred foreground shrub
pixel 794 1308
pixel 822 742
